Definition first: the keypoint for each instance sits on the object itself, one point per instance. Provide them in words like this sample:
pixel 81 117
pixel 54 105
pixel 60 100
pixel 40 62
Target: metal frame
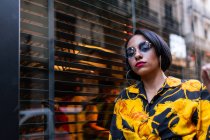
pixel 133 6
pixel 9 71
pixel 51 36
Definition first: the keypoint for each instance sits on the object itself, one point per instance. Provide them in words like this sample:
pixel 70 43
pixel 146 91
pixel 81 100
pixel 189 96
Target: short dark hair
pixel 160 46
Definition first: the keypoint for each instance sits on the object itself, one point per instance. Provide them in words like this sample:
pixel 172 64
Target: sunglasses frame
pixel 140 48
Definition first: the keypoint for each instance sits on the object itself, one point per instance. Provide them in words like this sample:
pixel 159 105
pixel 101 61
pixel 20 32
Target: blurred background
pixel 72 63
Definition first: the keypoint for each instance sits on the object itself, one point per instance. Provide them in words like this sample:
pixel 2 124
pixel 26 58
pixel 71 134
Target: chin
pixel 143 72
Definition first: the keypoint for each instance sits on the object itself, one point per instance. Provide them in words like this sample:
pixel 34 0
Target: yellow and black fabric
pixel 179 110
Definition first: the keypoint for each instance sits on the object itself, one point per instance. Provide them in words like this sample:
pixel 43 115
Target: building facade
pixel 196 30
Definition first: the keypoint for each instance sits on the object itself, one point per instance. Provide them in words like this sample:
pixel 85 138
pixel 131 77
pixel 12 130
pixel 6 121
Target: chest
pixel 172 111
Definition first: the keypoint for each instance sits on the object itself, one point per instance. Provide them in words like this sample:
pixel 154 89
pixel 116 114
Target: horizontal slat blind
pixel 89 63
pixel 34 89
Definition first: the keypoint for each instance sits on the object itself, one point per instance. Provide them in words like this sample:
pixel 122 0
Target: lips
pixel 140 64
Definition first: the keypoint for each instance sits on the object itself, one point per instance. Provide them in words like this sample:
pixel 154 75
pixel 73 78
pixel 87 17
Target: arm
pixel 126 121
pixel 203 124
pixel 115 133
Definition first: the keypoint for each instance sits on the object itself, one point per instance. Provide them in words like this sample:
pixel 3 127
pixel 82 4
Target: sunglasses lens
pixel 130 52
pixel 144 47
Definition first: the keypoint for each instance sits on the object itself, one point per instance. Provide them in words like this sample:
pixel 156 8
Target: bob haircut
pixel 161 49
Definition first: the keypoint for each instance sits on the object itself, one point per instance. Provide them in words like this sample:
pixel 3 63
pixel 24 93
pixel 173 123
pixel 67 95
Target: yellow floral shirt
pixel 179 110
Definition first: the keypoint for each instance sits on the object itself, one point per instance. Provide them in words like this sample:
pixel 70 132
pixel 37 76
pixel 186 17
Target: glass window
pixel 88 70
pixel 168 10
pixel 206 33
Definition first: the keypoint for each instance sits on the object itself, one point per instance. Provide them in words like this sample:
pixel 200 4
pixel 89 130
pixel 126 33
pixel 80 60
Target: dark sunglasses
pixel 143 47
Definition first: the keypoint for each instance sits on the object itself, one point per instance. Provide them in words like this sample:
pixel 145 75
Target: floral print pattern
pixel 179 110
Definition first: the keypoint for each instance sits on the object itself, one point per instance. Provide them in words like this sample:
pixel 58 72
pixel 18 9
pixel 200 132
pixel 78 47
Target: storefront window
pixel 88 69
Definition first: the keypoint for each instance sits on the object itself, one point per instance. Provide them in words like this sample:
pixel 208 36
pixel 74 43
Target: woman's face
pixel 144 61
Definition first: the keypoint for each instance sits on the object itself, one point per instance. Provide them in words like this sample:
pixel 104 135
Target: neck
pixel 152 83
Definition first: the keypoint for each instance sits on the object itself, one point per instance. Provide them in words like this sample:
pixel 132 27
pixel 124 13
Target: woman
pixel 159 107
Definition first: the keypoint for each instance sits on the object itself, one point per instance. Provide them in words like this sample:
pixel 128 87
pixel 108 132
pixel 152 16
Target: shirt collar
pixel 133 89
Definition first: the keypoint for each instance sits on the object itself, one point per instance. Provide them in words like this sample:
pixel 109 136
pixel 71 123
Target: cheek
pixel 154 60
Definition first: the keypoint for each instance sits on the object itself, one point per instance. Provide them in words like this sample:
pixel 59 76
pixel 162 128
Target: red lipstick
pixel 140 64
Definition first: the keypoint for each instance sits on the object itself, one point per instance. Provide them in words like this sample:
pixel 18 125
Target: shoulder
pixel 187 84
pixel 192 85
pixel 132 89
pixel 173 81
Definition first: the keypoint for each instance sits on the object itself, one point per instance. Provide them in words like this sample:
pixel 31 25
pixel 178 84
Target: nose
pixel 138 55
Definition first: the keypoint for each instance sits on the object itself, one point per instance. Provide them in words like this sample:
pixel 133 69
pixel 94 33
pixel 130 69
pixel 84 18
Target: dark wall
pixel 9 65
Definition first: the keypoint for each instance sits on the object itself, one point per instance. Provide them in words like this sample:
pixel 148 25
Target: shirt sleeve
pixel 115 133
pixel 203 125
